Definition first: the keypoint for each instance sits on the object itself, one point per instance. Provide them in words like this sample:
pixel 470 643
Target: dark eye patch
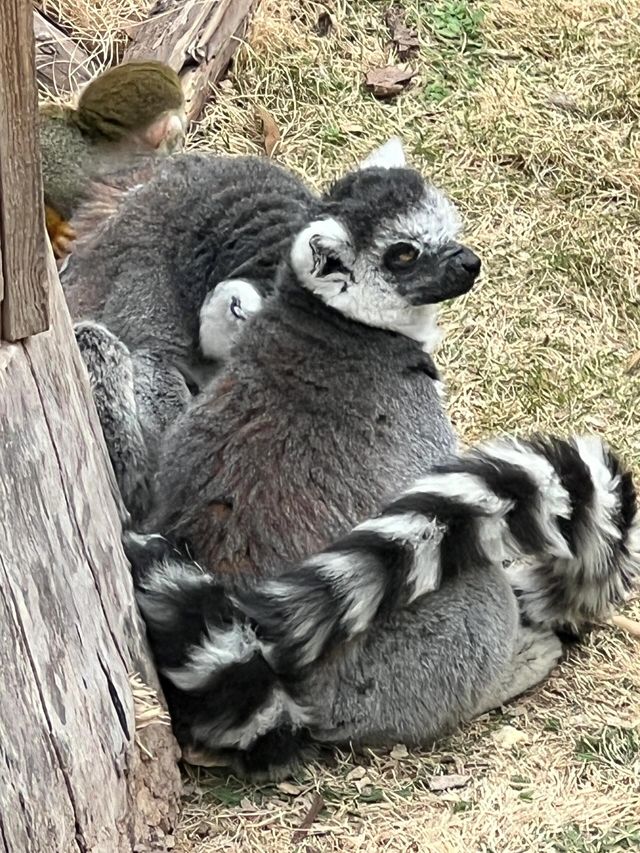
pixel 236 308
pixel 400 256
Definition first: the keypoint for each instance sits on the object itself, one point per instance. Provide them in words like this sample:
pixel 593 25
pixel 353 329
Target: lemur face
pixel 223 315
pixel 387 251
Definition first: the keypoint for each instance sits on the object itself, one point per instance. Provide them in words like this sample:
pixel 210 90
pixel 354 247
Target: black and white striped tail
pixel 603 535
pixel 233 666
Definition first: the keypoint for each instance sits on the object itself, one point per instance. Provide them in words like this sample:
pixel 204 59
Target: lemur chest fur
pixel 315 424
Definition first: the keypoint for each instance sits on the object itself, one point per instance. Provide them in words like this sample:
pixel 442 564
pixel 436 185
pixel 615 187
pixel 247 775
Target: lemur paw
pixel 539 652
pixel 95 340
pixel 143 550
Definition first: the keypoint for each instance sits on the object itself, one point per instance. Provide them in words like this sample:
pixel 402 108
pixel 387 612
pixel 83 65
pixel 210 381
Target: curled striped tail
pixel 562 512
pixel 235 665
pixel 603 535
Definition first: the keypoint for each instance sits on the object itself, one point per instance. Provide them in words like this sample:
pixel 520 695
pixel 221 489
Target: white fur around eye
pixel 357 291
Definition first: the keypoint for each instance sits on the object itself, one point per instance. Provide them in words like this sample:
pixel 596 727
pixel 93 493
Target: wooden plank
pixel 52 818
pixel 25 307
pixel 68 622
pixel 1 289
pixel 197 38
pixel 62 66
pixel 74 778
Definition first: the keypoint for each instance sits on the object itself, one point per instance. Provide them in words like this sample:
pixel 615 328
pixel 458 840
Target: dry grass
pixel 98 25
pixel 528 116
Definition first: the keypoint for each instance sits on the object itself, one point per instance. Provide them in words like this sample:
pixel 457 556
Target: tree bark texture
pixel 73 777
pixel 25 303
pixel 197 38
pixel 62 66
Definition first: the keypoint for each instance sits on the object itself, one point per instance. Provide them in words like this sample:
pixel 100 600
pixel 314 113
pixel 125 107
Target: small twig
pixel 317 804
pixel 62 65
pixel 625 624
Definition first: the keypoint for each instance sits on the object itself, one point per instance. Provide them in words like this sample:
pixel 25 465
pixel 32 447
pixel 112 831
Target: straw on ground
pixel 527 112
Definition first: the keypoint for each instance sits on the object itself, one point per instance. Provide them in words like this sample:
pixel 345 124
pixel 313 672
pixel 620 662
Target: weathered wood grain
pixel 62 66
pixel 197 38
pixel 25 305
pixel 1 289
pixel 73 778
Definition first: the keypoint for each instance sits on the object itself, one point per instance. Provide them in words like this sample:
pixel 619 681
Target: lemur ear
pixel 322 254
pixel 388 156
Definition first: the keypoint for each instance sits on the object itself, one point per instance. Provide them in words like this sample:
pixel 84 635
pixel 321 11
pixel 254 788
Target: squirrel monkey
pixel 130 111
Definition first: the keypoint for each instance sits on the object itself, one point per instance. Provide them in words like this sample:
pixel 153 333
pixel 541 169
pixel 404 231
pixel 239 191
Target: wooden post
pixel 78 774
pixel 25 305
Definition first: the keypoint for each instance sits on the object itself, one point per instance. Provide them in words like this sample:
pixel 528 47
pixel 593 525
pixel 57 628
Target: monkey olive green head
pixel 128 98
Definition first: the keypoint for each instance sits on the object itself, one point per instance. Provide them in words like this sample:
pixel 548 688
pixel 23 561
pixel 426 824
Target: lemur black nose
pixel 458 271
pixel 469 261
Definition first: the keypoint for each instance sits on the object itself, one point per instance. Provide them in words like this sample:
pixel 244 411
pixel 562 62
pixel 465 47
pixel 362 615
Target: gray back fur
pixel 200 219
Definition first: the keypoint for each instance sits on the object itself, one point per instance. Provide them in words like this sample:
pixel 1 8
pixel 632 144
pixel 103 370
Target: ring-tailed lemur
pixel 329 404
pixel 233 221
pixel 224 307
pixel 409 624
pixel 197 221
pixel 153 283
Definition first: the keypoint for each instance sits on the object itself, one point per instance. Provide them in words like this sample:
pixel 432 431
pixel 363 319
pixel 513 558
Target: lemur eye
pixel 400 256
pixel 236 308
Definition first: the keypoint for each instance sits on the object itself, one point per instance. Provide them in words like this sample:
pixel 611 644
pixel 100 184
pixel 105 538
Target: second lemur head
pixel 223 315
pixel 386 251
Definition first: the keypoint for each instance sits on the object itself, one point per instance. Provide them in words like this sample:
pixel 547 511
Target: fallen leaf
pixel 633 363
pixel 389 81
pixel 362 784
pixel 356 774
pixel 405 40
pixel 270 130
pixel 508 736
pixel 399 752
pixel 289 788
pixel 317 804
pixel 445 783
pixel 562 101
pixel 352 127
pixel 324 24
